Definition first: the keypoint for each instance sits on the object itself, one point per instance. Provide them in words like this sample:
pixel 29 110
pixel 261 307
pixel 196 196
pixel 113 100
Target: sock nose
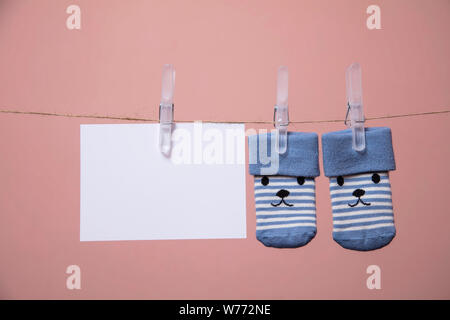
pixel 282 193
pixel 359 193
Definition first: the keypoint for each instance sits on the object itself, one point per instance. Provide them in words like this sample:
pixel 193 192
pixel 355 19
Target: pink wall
pixel 226 54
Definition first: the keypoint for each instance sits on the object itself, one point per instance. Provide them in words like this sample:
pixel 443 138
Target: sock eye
pixel 376 178
pixel 340 180
pixel 301 180
pixel 264 181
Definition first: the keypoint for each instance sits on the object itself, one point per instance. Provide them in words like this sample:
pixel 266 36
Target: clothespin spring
pixel 346 116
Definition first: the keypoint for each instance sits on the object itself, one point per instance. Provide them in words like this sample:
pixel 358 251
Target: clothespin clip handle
pixel 355 106
pixel 166 108
pixel 281 111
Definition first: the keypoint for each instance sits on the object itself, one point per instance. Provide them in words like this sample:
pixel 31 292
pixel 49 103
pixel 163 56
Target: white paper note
pixel 130 191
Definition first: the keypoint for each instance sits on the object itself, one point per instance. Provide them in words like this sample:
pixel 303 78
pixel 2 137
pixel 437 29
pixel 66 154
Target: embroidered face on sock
pixel 359 186
pixel 363 217
pixel 283 191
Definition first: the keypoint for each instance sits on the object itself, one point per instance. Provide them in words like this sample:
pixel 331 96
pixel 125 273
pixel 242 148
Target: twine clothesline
pixel 125 118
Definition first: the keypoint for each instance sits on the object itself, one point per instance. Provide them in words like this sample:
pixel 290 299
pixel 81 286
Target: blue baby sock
pixel 284 189
pixel 360 190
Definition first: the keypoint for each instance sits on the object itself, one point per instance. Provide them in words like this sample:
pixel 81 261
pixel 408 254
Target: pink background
pixel 226 54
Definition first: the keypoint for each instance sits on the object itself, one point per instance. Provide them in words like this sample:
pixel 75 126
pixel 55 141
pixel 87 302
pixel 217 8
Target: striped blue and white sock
pixel 285 198
pixel 363 216
pixel 285 210
pixel 361 199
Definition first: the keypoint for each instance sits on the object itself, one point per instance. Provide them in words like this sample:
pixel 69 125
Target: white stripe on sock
pixel 361 212
pixel 373 226
pixel 352 198
pixel 285 185
pixel 346 206
pixel 285 219
pixel 349 191
pixel 305 190
pixel 283 177
pixel 275 201
pixel 357 183
pixel 364 175
pixel 349 221
pixel 274 198
pixel 283 226
pixel 281 211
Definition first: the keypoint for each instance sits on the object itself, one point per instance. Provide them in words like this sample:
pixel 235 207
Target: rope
pixel 124 118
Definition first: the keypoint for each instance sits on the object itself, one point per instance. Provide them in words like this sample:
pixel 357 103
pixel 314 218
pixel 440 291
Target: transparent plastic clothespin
pixel 281 112
pixel 166 109
pixel 355 106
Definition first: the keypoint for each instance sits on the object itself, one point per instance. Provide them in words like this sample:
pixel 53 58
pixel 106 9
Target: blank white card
pixel 130 191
